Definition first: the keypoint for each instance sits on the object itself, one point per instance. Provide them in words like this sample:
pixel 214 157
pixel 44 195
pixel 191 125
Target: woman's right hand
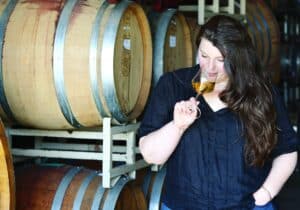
pixel 185 113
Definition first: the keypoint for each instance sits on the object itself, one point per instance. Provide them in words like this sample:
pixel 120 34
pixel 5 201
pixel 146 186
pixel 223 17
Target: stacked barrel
pixel 7 181
pixel 67 187
pixel 264 31
pixel 68 64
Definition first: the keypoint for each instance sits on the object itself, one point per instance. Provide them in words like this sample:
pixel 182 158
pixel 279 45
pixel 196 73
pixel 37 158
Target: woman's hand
pixel 262 196
pixel 185 113
pixel 156 151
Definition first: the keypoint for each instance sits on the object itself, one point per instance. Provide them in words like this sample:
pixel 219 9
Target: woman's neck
pixel 220 86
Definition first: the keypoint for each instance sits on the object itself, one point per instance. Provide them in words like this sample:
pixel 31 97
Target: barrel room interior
pixel 75 79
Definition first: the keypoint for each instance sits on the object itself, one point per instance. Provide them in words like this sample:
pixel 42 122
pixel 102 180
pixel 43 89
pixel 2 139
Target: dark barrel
pixel 66 187
pixel 153 186
pixel 264 31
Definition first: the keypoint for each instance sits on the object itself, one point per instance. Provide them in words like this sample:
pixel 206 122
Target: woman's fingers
pixel 185 112
pixel 193 100
pixel 186 107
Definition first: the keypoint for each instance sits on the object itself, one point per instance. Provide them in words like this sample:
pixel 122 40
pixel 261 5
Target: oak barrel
pixel 65 187
pixel 152 186
pixel 264 31
pixel 69 63
pixel 195 30
pixel 172 45
pixel 7 179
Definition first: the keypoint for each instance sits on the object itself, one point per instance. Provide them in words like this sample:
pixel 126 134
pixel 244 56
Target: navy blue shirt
pixel 207 170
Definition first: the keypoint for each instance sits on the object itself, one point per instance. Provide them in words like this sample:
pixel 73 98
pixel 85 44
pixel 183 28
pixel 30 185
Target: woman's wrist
pixel 262 196
pixel 267 191
pixel 179 128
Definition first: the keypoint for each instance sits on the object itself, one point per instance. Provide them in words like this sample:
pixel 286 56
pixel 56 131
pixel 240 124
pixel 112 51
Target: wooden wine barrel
pixel 66 187
pixel 7 179
pixel 152 188
pixel 172 47
pixel 195 30
pixel 69 63
pixel 264 31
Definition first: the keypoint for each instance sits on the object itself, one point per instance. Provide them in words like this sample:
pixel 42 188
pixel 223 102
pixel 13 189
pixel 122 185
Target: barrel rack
pixel 205 11
pixel 107 152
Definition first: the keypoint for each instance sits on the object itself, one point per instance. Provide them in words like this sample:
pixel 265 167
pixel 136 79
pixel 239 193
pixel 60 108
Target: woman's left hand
pixel 261 197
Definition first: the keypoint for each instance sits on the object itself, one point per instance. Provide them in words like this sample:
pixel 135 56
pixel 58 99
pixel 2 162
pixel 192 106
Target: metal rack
pixel 107 152
pixel 205 11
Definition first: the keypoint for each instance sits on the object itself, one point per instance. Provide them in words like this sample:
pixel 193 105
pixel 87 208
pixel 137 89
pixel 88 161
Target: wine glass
pixel 201 84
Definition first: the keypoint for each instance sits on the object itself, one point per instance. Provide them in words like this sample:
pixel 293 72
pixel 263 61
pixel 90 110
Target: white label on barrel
pixel 172 41
pixel 126 44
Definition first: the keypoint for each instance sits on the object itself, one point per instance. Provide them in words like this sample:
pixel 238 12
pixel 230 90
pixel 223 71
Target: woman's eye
pixel 203 56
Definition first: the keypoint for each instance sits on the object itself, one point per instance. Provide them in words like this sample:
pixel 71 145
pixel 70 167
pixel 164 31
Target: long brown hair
pixel 249 90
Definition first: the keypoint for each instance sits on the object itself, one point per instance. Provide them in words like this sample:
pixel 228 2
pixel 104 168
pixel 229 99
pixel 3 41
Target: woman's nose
pixel 211 64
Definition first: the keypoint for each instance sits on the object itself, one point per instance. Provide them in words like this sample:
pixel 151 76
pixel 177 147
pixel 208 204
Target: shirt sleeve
pixel 159 110
pixel 287 137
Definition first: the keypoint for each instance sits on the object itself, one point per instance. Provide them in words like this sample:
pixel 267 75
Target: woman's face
pixel 211 62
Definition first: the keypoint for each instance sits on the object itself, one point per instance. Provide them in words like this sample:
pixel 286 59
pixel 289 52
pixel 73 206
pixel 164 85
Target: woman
pixel 241 150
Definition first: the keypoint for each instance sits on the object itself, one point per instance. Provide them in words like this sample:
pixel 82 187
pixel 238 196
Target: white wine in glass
pixel 202 85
